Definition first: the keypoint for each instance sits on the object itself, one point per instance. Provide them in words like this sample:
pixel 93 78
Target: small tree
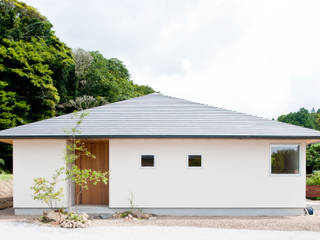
pixel 46 191
pixel 75 149
pixel 82 178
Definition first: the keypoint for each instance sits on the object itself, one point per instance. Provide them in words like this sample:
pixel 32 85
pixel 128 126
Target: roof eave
pixel 158 136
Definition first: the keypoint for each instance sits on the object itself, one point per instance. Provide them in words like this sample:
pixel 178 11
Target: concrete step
pixel 94 209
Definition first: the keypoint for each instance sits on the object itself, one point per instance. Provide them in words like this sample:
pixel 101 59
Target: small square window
pixel 147 160
pixel 194 161
pixel 285 159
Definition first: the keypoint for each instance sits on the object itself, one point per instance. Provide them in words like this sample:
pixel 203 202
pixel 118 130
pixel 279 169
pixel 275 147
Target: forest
pixel 41 77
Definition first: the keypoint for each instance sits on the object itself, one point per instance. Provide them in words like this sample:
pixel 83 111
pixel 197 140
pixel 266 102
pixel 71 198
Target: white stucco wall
pixel 235 174
pixel 32 159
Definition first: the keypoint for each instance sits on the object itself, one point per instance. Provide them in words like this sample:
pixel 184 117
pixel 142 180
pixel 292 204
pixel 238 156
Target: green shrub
pixel 125 214
pixel 314 179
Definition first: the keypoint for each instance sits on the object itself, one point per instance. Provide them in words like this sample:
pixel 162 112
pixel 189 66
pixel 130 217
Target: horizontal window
pixel 147 160
pixel 194 161
pixel 285 159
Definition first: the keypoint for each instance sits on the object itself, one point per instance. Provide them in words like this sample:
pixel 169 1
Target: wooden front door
pixel 96 194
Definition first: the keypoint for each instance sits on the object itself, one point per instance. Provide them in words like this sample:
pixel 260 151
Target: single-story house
pixel 171 156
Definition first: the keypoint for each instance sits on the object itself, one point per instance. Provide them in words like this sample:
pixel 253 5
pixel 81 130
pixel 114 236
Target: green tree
pixel 99 80
pixel 46 191
pixel 39 73
pixel 25 72
pixel 109 78
pixel 306 119
pixel 313 158
pixel 34 67
pixel 301 118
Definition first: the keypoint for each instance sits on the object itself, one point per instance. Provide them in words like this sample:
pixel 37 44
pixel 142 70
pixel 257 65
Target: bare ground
pixel 6 189
pixel 6 193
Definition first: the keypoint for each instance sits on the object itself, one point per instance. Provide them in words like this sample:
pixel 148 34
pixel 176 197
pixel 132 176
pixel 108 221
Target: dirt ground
pixel 6 189
pixel 6 194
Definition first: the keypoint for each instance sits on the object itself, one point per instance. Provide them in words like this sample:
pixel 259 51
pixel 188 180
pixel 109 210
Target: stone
pixel 137 213
pixel 131 218
pixel 55 216
pixel 74 220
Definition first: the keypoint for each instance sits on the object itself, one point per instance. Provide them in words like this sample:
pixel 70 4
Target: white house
pixel 171 156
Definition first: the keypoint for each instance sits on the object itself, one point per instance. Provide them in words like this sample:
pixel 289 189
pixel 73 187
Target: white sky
pixel 258 57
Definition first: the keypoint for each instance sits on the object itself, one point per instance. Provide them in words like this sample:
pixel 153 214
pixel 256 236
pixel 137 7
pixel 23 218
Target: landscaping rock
pixel 138 214
pixel 131 218
pixel 102 216
pixel 133 215
pixel 55 216
pixel 74 220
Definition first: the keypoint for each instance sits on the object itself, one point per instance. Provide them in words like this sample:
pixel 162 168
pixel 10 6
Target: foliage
pixel 33 61
pixel 6 156
pixel 124 214
pixel 41 77
pixel 83 60
pixel 46 191
pixel 302 118
pixel 20 21
pixel 34 64
pixel 314 179
pixel 82 103
pixel 313 158
pixel 25 73
pixel 103 80
pixel 308 119
pixel 13 111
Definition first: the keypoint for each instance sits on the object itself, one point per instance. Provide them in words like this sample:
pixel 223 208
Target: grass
pixel 5 176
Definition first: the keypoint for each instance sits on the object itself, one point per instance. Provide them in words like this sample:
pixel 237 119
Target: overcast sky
pixel 258 57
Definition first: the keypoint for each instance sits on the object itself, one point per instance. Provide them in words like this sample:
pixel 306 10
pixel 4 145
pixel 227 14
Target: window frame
pixel 285 174
pixel 194 154
pixel 147 167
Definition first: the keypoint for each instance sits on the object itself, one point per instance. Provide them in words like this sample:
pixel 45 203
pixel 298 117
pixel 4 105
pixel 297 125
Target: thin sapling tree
pixel 75 149
pixel 46 191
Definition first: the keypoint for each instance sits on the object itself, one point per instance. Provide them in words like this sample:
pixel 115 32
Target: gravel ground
pixel 295 223
pixel 18 230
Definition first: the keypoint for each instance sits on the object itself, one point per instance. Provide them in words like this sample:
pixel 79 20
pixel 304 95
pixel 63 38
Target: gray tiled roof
pixel 156 115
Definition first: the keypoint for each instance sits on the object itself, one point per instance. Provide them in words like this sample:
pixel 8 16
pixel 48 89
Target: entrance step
pixel 96 211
